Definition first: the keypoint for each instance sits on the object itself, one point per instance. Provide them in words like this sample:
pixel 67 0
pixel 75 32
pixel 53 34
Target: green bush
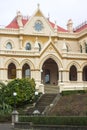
pixel 73 92
pixel 25 89
pixel 5 117
pixel 45 120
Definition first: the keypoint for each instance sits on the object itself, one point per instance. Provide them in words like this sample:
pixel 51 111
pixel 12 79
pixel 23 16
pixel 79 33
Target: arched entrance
pixel 50 73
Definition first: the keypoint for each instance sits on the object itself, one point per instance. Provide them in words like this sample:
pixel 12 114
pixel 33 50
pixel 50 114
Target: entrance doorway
pixel 50 74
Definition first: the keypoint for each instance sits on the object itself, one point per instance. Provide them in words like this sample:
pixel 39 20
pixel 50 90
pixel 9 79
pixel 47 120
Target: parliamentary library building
pixel 36 47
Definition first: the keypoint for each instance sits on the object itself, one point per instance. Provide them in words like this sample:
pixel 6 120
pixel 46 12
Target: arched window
pixel 28 46
pixel 67 48
pixel 84 74
pixel 81 48
pixel 39 46
pixel 9 46
pixel 26 71
pixel 11 71
pixel 85 47
pixel 73 73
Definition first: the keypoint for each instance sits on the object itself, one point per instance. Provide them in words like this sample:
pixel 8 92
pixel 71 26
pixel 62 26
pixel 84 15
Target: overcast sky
pixel 59 10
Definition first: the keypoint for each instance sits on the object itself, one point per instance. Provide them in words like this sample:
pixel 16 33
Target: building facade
pixel 37 48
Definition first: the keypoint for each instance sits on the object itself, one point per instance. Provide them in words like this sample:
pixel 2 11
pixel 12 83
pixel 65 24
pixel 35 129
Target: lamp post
pixel 14 113
pixel 36 111
pixel 36 95
pixel 14 94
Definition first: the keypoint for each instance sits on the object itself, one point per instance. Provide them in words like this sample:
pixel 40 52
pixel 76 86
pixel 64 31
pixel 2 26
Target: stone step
pixel 43 102
pixel 51 89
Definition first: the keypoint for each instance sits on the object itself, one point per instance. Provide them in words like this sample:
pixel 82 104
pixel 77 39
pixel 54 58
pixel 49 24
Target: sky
pixel 58 10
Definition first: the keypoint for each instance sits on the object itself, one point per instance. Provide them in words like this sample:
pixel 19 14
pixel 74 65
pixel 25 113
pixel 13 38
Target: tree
pixel 4 107
pixel 25 89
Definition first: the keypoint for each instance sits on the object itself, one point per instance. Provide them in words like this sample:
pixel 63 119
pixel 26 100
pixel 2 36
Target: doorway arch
pixel 50 73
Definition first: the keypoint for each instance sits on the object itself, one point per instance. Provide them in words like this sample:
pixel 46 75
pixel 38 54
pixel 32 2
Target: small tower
pixel 19 19
pixel 70 26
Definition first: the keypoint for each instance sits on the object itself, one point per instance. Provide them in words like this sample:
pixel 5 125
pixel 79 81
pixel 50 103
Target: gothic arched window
pixel 73 73
pixel 9 46
pixel 28 46
pixel 11 71
pixel 26 71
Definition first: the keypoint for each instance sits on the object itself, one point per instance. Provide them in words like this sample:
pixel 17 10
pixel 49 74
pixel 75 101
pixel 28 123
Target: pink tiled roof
pixel 60 29
pixel 14 24
pixel 81 27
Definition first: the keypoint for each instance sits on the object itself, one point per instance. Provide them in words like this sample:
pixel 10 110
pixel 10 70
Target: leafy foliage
pixel 55 120
pixel 25 89
pixel 4 107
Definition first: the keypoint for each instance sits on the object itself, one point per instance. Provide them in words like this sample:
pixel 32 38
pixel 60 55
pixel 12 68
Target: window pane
pixel 28 46
pixel 9 46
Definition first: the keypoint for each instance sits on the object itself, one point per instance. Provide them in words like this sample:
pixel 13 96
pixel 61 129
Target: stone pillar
pixel 61 75
pixel 79 76
pixel 20 42
pixel 64 76
pixel 37 78
pixel 14 117
pixel 19 73
pixel 41 88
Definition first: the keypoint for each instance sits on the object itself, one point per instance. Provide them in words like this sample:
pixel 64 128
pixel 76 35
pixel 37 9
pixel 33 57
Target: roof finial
pixel 55 27
pixel 38 5
pixel 48 16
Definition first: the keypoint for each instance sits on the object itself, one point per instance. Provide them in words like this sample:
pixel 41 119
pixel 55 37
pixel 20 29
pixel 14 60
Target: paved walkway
pixel 4 126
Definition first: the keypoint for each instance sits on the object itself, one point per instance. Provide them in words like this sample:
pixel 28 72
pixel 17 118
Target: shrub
pixel 72 92
pixel 58 120
pixel 25 89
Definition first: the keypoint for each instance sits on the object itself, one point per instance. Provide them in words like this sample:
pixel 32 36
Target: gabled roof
pixel 81 27
pixel 14 24
pixel 60 29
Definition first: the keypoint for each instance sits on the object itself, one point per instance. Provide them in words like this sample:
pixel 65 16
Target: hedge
pixel 69 92
pixel 58 120
pixel 5 118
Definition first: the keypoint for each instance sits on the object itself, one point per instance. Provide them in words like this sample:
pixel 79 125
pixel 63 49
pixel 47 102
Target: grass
pixel 71 105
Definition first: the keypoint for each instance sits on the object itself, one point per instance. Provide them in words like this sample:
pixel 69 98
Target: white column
pixel 19 73
pixel 65 76
pixel 20 42
pixel 79 76
pixel 61 75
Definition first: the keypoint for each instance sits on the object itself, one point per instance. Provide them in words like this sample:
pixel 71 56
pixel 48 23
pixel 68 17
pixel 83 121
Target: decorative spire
pixel 19 19
pixel 70 26
pixel 64 48
pixel 55 27
pixel 36 47
pixel 48 16
pixel 38 5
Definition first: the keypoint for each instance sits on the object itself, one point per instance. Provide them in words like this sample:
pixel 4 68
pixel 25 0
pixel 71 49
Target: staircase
pixel 51 89
pixel 43 102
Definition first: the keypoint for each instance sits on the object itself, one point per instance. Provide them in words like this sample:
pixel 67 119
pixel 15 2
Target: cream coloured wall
pixel 53 46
